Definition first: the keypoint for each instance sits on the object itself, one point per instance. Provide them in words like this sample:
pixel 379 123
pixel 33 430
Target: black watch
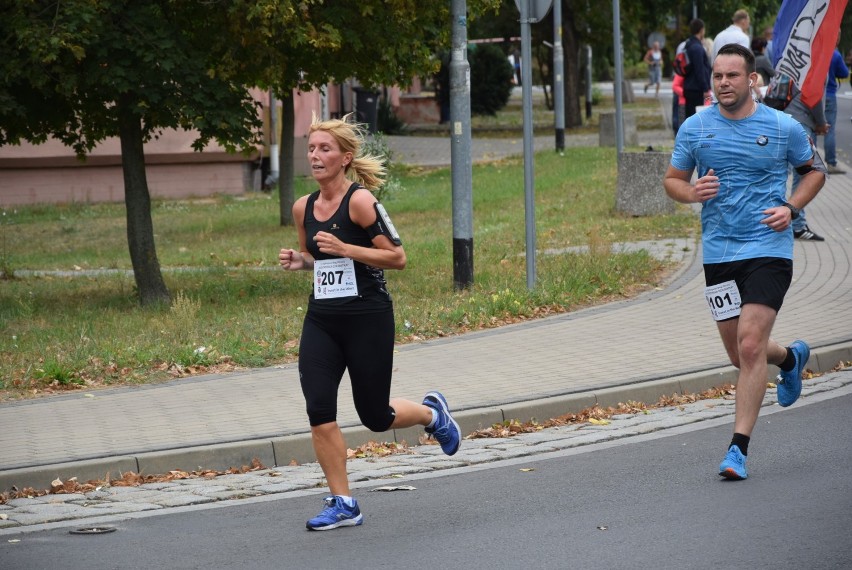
pixel 794 211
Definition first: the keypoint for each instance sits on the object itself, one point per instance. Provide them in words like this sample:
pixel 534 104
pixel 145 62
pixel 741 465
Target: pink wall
pixel 50 173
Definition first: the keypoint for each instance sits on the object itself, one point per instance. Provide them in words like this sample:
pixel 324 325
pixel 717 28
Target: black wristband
pixel 794 211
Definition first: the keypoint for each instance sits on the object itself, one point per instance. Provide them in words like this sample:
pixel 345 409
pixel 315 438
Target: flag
pixel 804 38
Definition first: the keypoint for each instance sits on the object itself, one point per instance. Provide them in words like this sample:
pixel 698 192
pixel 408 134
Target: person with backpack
pixel 696 79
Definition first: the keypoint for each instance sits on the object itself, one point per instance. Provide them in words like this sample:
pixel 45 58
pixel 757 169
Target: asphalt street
pixel 640 497
pixel 641 491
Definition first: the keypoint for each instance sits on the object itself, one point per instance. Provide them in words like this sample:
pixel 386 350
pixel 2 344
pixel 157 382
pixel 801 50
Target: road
pixel 651 500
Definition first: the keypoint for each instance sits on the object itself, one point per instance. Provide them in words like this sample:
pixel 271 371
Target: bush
pixel 387 121
pixel 490 80
pixel 376 145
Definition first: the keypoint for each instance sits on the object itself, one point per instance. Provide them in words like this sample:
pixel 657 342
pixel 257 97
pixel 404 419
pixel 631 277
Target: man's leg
pixel 753 349
pixel 749 348
pixel 830 140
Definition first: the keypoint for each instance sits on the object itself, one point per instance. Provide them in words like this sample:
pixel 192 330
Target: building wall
pixel 51 173
pixel 22 186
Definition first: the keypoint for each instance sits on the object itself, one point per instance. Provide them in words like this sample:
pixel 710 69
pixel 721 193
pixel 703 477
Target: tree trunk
pixel 140 228
pixel 571 48
pixel 286 175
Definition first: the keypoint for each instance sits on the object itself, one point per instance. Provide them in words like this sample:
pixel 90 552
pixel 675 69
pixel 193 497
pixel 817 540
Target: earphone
pixel 751 83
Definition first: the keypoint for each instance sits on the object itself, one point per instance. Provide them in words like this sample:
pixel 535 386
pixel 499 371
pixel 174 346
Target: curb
pixel 297 447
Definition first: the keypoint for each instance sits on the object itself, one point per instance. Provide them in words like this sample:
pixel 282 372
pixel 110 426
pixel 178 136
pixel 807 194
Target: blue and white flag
pixel 804 38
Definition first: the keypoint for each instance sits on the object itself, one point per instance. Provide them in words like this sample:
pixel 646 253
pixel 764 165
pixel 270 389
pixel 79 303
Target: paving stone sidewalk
pixel 389 473
pixel 661 342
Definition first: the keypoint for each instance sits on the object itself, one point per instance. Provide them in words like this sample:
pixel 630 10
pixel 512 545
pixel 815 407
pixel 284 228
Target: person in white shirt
pixel 736 33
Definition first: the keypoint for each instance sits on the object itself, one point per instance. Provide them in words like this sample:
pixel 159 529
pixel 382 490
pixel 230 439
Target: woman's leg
pixel 321 367
pixel 330 449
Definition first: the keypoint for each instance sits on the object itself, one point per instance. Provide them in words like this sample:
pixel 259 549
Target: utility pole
pixel 558 77
pixel 462 170
pixel 619 76
pixel 531 11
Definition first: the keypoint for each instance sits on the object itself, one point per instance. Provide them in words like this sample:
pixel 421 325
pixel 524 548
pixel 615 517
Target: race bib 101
pixel 724 300
pixel 334 278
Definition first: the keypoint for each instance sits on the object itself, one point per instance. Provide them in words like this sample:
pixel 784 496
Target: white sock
pixel 347 499
pixel 434 418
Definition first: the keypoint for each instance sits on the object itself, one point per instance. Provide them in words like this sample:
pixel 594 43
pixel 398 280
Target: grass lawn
pixel 234 308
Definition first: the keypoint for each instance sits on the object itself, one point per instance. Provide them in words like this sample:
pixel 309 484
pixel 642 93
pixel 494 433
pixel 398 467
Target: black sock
pixel 741 441
pixel 789 362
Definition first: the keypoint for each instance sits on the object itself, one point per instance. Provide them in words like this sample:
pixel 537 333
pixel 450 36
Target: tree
pixel 379 42
pixel 85 70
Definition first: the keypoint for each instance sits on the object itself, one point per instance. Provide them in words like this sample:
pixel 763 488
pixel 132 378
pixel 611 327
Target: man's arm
pixel 809 185
pixel 679 187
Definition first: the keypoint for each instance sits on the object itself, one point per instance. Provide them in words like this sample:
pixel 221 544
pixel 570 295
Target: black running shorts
pixel 762 280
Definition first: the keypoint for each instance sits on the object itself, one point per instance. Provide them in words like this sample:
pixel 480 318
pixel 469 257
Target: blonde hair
pixel 365 169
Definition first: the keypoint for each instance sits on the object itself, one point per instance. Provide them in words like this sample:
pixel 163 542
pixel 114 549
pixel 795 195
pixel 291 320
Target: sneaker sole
pixel 446 409
pixel 731 475
pixel 345 522
pixel 806 354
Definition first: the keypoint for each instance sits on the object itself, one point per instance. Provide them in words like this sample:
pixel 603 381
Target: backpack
pixel 782 89
pixel 681 64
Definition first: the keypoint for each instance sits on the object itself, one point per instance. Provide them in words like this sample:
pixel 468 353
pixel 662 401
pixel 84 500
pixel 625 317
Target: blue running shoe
pixel 445 430
pixel 335 514
pixel 733 467
pixel 790 383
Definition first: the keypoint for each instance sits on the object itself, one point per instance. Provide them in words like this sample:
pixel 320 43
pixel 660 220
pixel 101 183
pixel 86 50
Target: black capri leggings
pixel 363 344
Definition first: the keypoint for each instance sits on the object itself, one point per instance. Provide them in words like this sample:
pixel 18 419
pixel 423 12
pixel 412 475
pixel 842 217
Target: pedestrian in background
pixel 762 64
pixel 347 240
pixel 836 70
pixel 696 84
pixel 736 33
pixel 654 59
pixel 746 238
pixel 814 121
pixel 678 102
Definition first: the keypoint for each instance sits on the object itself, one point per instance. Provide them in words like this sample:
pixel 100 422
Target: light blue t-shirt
pixel 750 157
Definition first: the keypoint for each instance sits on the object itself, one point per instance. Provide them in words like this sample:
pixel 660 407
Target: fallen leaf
pixel 598 422
pixel 395 488
pixel 527 469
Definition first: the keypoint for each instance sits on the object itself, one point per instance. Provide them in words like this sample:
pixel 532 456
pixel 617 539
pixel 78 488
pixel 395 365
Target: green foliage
pixel 376 145
pixel 490 79
pixel 387 121
pixel 234 307
pixel 73 68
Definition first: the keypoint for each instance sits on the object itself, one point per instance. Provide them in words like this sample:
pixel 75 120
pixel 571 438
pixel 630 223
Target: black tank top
pixel 373 294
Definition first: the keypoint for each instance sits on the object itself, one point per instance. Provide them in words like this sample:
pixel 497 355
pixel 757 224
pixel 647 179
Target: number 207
pixel 331 278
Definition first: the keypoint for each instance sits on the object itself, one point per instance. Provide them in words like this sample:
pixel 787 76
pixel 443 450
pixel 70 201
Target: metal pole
pixel 462 170
pixel 588 81
pixel 529 180
pixel 558 80
pixel 273 141
pixel 616 42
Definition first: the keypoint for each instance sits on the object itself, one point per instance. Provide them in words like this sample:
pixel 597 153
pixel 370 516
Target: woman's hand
pixel 291 260
pixel 330 244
